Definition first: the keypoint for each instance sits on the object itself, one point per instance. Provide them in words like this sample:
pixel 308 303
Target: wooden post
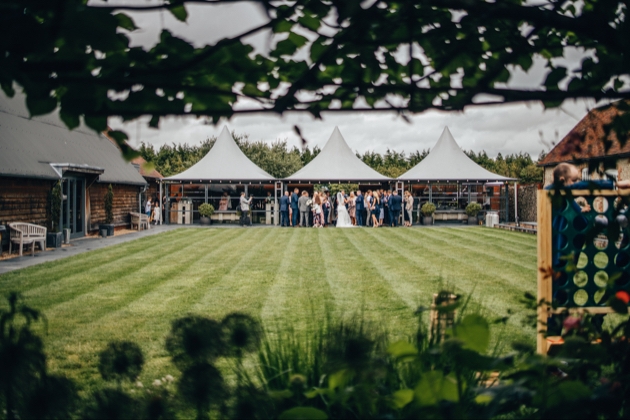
pixel 544 235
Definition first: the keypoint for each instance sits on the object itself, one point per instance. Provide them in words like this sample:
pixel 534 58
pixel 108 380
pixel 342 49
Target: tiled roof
pixel 588 139
pixel 153 173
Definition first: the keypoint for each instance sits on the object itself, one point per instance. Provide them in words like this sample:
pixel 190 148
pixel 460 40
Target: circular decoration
pixel 600 260
pixel 560 223
pixel 622 221
pixel 622 280
pixel 599 295
pixel 601 221
pixel 601 242
pixel 601 279
pixel 580 223
pixel 579 241
pixel 580 297
pixel 561 297
pixel 580 279
pixel 622 241
pixel 560 279
pixel 622 259
pixel 582 260
pixel 600 204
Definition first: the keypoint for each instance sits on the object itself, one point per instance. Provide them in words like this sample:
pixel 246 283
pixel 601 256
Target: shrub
pixel 428 209
pixel 109 205
pixel 55 206
pixel 206 209
pixel 472 209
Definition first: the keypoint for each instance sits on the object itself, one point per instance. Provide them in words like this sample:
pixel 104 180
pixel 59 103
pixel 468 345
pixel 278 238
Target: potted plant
pixel 54 237
pixel 109 212
pixel 427 211
pixel 206 210
pixel 472 210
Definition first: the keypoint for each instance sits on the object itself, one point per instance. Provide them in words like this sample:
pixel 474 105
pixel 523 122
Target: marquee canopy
pixel 337 163
pixel 448 162
pixel 225 162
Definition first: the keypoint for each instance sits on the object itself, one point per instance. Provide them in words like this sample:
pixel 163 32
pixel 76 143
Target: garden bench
pixel 225 215
pixel 139 220
pixel 27 234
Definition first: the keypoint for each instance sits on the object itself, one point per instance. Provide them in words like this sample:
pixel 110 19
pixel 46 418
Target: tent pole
pixel 516 202
pixel 161 206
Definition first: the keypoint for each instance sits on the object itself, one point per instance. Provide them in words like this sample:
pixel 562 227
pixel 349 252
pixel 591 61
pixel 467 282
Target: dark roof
pixel 42 147
pixel 141 164
pixel 588 139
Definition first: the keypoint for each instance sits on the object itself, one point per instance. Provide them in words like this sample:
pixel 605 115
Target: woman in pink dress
pixel 352 208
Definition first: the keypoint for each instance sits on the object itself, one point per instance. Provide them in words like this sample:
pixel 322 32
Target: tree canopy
pixel 325 55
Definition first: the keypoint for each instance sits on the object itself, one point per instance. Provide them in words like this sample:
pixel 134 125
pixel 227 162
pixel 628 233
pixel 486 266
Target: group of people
pixel 376 208
pixel 152 210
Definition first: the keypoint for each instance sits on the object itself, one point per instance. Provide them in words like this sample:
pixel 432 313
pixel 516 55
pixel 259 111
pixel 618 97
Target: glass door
pixel 73 212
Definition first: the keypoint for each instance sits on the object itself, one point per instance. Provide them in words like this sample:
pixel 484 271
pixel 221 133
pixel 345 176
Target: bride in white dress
pixel 343 218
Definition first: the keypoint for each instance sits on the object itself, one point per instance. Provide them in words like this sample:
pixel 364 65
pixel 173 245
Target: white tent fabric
pixel 448 162
pixel 224 162
pixel 337 162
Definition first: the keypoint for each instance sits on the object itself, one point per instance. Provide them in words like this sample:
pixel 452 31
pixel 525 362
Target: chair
pixel 139 220
pixel 25 234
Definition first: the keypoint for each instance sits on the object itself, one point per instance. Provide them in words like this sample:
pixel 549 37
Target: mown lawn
pixel 282 276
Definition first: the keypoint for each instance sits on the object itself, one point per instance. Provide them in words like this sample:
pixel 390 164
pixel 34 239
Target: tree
pixel 326 55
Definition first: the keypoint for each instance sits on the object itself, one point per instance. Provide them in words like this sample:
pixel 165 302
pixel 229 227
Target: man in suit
pixel 359 208
pixel 284 209
pixel 294 207
pixel 304 209
pixel 395 206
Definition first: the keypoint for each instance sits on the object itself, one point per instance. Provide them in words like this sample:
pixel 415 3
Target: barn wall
pixel 125 201
pixel 24 200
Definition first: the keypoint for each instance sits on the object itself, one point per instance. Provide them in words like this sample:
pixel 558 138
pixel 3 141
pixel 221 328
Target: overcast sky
pixel 497 129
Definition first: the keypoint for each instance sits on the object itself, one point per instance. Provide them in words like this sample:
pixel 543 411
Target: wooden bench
pixel 27 234
pixel 139 220
pixel 225 215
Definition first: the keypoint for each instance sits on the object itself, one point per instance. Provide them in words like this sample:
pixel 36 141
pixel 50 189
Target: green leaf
pixel 40 105
pixel 119 136
pixel 71 120
pixel 339 379
pixel 298 40
pixel 280 395
pixel 555 76
pixel 402 349
pixel 155 121
pixel 98 124
pixel 303 413
pixel 567 392
pixel 179 12
pixel 525 61
pixel 283 26
pixel 402 397
pixel 310 22
pixel 317 49
pixel 474 332
pixel 125 22
pixel 435 387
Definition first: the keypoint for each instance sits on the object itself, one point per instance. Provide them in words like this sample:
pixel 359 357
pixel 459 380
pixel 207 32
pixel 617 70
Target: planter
pixel 427 220
pixel 472 220
pixel 66 236
pixel 108 227
pixel 205 220
pixel 54 239
pixel 104 233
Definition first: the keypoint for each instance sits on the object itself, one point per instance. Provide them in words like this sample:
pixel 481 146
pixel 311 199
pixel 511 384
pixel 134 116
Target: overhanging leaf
pixel 402 349
pixel 303 413
pixel 179 12
pixel 474 332
pixel 402 397
pixel 125 22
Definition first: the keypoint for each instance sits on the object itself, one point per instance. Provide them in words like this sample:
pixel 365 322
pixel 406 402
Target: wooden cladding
pixel 125 201
pixel 24 200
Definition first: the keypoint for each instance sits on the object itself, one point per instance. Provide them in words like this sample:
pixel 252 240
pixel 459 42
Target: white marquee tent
pixel 225 162
pixel 336 163
pixel 448 162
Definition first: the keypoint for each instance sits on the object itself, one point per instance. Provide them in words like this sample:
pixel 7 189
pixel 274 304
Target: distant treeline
pixel 278 160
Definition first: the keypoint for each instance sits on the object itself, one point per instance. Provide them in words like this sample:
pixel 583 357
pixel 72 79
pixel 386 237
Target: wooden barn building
pixel 586 145
pixel 36 153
